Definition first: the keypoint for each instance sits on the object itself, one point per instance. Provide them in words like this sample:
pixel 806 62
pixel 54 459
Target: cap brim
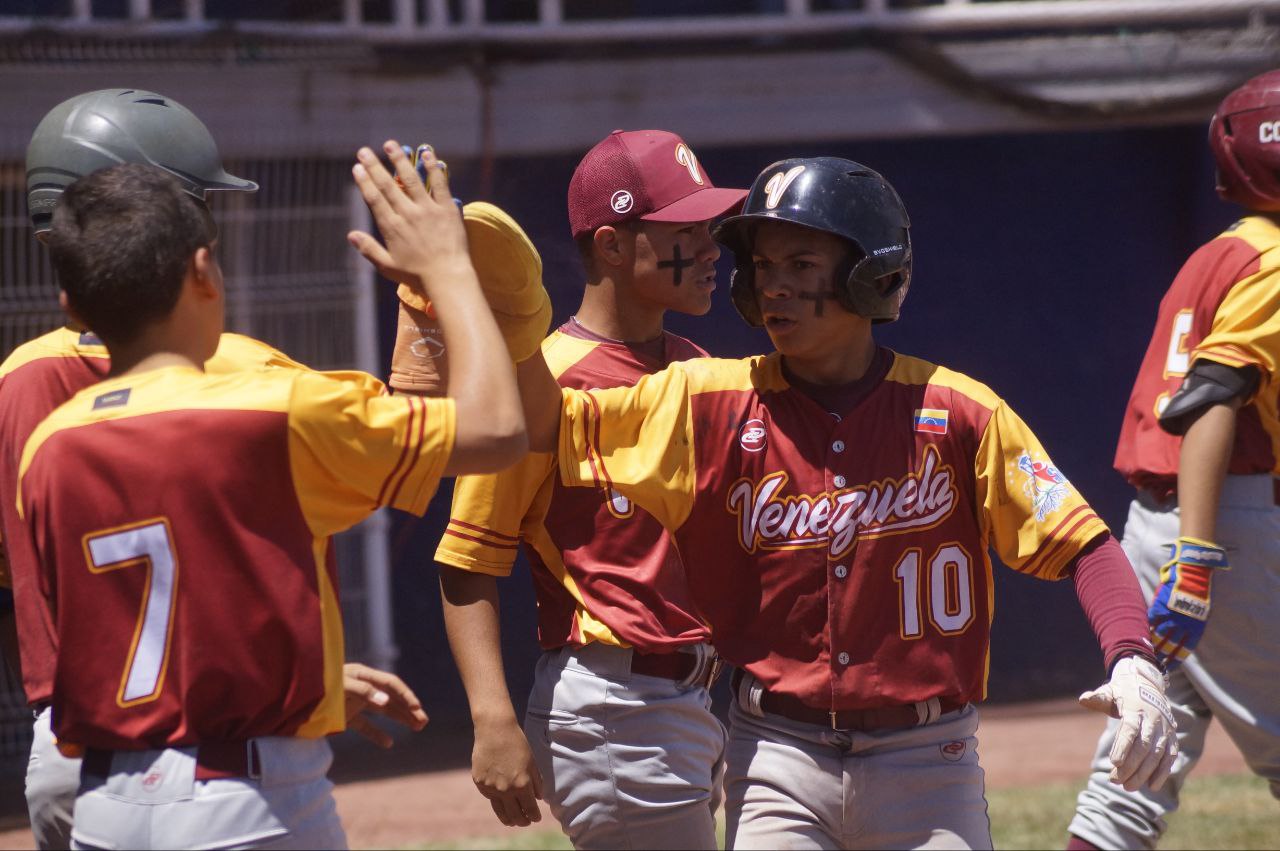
pixel 700 206
pixel 229 181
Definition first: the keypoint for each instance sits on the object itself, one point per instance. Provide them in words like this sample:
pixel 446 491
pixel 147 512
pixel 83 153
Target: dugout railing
pixel 293 282
pixel 596 20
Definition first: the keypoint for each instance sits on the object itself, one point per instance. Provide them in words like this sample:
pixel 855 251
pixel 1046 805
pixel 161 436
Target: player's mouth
pixel 706 282
pixel 777 323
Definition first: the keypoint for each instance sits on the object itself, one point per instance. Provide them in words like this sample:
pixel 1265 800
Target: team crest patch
pixel 931 420
pixel 953 751
pixel 114 399
pixel 1044 485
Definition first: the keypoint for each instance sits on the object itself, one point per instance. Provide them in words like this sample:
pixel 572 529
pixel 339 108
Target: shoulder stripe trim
pixel 482 530
pixel 415 454
pixel 404 452
pixel 481 541
pixel 1056 542
pixel 598 472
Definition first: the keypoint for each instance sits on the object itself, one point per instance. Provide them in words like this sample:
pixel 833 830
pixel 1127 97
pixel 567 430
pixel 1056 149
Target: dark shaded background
pixel 1040 261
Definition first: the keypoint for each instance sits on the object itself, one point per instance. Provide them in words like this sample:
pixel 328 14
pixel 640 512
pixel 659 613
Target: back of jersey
pixel 1222 306
pixel 36 378
pixel 182 525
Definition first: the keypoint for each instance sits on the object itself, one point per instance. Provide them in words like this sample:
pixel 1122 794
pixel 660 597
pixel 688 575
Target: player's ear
pixel 613 245
pixel 205 274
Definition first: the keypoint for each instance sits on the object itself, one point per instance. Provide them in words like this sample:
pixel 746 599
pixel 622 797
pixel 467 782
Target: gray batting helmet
pixel 104 128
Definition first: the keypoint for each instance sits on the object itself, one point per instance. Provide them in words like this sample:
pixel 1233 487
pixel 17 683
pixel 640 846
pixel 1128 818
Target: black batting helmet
pixel 839 197
pixel 104 128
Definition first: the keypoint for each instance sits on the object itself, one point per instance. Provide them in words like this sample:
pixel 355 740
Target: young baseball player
pixel 199 660
pixel 833 504
pixel 81 135
pixel 1199 443
pixel 618 737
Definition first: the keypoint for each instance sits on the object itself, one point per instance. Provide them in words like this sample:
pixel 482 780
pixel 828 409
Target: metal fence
pixel 291 281
pixel 590 20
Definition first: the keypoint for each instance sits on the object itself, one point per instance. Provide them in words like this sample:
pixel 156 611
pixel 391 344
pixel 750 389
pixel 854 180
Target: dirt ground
pixel 1019 745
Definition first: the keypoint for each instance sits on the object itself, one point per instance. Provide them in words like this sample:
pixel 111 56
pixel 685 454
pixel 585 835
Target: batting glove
pixel 1146 745
pixel 1180 607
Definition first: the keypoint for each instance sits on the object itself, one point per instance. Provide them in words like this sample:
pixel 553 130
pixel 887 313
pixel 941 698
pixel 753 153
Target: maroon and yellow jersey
pixel 603 569
pixel 36 378
pixel 843 561
pixel 1223 306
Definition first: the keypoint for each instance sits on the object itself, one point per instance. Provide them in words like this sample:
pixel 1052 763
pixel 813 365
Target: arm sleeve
pixel 1036 521
pixel 636 441
pixel 1246 326
pixel 354 449
pixel 489 512
pixel 1112 600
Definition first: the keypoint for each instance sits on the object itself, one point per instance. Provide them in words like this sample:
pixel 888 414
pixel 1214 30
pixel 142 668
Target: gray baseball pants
pixel 1233 674
pixel 52 781
pixel 151 799
pixel 790 784
pixel 627 760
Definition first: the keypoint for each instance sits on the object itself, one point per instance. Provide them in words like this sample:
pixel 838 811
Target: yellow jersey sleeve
pixel 1246 326
pixel 1033 518
pixel 490 512
pixel 238 353
pixel 637 441
pixel 354 449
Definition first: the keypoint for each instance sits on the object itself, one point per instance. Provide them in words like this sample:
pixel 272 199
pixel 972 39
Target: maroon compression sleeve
pixel 1112 600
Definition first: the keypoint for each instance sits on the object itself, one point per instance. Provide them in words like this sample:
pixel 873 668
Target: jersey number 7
pixel 149 544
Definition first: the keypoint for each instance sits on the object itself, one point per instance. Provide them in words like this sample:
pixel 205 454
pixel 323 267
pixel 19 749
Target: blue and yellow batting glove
pixel 1180 607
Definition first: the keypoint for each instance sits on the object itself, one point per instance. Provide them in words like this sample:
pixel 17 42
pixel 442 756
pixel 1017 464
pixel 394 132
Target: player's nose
pixel 707 249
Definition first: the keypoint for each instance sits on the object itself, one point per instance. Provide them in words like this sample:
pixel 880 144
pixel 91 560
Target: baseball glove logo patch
pixel 622 201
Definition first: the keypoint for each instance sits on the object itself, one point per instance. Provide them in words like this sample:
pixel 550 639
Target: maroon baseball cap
pixel 643 174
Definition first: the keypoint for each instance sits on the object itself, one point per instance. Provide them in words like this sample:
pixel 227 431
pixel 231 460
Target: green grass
pixel 1231 811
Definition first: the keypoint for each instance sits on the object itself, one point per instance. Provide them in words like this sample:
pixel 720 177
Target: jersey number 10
pixel 949 597
pixel 148 544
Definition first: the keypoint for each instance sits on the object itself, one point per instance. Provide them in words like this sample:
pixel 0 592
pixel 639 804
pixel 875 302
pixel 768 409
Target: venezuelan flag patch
pixel 931 420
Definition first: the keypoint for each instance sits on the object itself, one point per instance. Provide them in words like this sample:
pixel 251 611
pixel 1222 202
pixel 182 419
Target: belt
pixel 857 720
pixel 214 760
pixel 674 666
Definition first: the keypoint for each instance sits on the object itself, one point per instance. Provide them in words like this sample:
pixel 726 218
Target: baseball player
pixel 833 504
pixel 81 135
pixel 618 737
pixel 199 661
pixel 1199 443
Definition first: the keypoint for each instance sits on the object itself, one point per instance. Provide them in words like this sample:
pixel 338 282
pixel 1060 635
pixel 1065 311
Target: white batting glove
pixel 1146 744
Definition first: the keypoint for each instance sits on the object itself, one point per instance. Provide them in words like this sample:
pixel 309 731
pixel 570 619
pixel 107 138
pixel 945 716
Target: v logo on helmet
pixel 685 157
pixel 777 186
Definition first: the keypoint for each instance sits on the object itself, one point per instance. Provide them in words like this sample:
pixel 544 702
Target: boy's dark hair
pixel 121 241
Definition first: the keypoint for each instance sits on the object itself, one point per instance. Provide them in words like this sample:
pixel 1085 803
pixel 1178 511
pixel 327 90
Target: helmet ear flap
pixel 742 290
